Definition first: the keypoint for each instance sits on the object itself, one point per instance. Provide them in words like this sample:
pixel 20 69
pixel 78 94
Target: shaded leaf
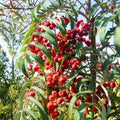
pixel 108 61
pixel 80 111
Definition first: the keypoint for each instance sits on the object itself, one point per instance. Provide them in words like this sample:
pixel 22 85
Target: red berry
pixel 112 84
pixel 59 100
pixel 54 93
pixel 55 105
pixel 95 109
pixel 54 114
pixel 96 98
pixel 106 101
pixel 52 98
pixel 49 84
pixel 67 99
pixel 36 68
pixel 62 80
pixel 111 7
pixel 30 66
pixel 61 93
pixel 50 107
pixel 77 104
pixel 32 94
pixel 49 78
pixel 86 111
pixel 107 83
pixel 104 84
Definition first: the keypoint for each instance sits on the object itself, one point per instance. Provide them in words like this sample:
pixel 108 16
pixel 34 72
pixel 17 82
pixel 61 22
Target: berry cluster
pixel 66 58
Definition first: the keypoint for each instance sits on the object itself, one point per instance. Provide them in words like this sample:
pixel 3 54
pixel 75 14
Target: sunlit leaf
pixel 117 39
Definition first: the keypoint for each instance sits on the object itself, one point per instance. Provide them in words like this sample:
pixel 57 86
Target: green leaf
pixel 54 4
pixel 99 18
pixel 59 2
pixel 20 55
pixel 28 59
pixel 103 114
pixel 106 93
pixel 74 10
pixel 30 113
pixel 78 46
pixel 41 109
pixel 71 19
pixel 110 33
pixel 70 80
pixel 23 67
pixel 44 49
pixel 56 66
pixel 50 32
pixel 51 40
pixel 75 97
pixel 61 27
pixel 30 31
pixel 80 111
pixel 18 65
pixel 82 82
pixel 17 115
pixel 18 15
pixel 21 102
pixel 6 38
pixel 117 39
pixel 40 91
pixel 63 22
pixel 108 61
pixel 35 13
pixel 19 59
pixel 102 31
pixel 92 10
pixel 82 6
pixel 38 59
pixel 98 1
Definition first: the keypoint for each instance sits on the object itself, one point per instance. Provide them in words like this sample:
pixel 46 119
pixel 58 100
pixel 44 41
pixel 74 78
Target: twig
pixel 23 11
pixel 83 6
